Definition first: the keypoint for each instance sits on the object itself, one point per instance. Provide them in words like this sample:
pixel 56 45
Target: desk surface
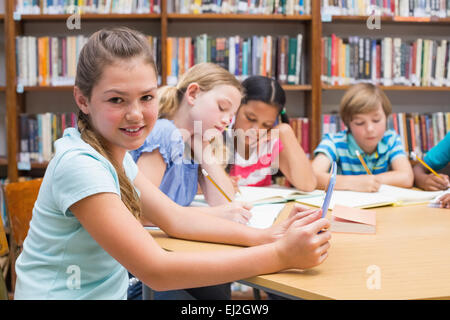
pixel 410 252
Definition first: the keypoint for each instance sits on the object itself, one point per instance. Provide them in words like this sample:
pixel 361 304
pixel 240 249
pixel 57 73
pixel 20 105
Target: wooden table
pixel 407 258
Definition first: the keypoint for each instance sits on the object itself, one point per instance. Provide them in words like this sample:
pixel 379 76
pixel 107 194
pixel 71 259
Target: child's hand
pixel 235 211
pixel 445 201
pixel 302 246
pixel 366 183
pixel 433 183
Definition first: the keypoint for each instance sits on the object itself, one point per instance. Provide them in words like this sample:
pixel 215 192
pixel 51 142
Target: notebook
pixel 263 216
pixel 352 220
pixel 386 196
pixel 270 195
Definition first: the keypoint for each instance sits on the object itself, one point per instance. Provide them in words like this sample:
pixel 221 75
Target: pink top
pixel 257 171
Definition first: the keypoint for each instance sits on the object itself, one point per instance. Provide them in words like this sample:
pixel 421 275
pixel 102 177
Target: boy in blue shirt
pixel 364 110
pixel 437 158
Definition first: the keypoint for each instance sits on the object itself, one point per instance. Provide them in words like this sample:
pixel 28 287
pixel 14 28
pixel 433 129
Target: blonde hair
pixel 107 47
pixel 206 75
pixel 363 98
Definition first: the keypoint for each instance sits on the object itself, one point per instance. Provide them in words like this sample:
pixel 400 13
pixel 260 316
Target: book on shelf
pixel 288 7
pixel 300 126
pixel 272 56
pixel 394 8
pixel 385 61
pixel 420 132
pixel 332 123
pixel 51 61
pixel 39 131
pixel 88 6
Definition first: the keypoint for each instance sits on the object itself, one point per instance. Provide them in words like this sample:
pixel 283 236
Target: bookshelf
pixel 312 96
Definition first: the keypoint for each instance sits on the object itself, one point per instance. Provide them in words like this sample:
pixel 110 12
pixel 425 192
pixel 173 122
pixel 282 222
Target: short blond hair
pixel 363 98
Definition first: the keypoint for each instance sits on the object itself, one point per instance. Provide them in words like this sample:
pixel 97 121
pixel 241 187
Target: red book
pixel 334 53
pixel 413 133
pixel 395 121
pixel 414 58
pixel 423 132
pixel 305 135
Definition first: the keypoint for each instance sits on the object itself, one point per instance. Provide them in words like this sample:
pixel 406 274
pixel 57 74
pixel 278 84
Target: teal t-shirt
pixel 439 156
pixel 60 260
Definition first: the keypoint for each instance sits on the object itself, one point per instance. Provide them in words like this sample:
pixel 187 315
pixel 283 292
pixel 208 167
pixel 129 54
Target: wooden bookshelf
pixel 89 16
pixel 311 25
pixel 392 88
pixel 390 20
pixel 238 17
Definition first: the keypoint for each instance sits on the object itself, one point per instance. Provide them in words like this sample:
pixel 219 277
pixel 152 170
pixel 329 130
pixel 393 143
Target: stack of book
pixel 38 132
pixel 280 57
pixel 397 8
pixel 52 61
pixel 387 61
pixel 88 6
pixel 287 7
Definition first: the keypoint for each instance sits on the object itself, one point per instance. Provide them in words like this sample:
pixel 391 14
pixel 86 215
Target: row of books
pixel 287 7
pixel 387 61
pixel 38 132
pixel 396 8
pixel 280 57
pixel 51 61
pixel 300 126
pixel 87 6
pixel 418 132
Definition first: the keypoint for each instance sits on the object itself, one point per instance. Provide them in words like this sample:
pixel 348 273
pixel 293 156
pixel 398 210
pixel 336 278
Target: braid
pixel 128 194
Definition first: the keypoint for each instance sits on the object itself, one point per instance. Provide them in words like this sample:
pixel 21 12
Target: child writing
pixel 206 96
pixel 260 145
pixel 364 110
pixel 437 158
pixel 84 234
pixel 198 108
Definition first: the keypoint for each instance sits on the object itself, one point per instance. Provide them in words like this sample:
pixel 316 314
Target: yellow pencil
pixel 425 165
pixel 215 184
pixel 363 162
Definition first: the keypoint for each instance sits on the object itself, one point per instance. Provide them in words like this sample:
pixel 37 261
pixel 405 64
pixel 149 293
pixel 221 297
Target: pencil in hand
pixel 415 157
pixel 363 162
pixel 215 184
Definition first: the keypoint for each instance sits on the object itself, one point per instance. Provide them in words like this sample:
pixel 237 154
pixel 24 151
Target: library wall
pixel 402 101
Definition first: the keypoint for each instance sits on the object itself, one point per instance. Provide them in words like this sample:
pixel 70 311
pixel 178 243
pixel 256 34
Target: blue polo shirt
pixel 341 147
pixel 438 157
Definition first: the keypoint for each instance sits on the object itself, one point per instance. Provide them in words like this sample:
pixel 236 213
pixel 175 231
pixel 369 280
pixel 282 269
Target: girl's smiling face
pixel 368 129
pixel 123 106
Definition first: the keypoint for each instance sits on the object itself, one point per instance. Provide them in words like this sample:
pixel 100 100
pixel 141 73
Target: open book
pixel 386 196
pixel 269 195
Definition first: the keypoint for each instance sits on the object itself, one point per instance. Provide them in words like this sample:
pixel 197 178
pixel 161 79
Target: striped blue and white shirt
pixel 341 147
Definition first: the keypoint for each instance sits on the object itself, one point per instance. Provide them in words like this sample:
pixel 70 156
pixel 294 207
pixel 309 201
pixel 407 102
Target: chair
pixel 4 249
pixel 20 198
